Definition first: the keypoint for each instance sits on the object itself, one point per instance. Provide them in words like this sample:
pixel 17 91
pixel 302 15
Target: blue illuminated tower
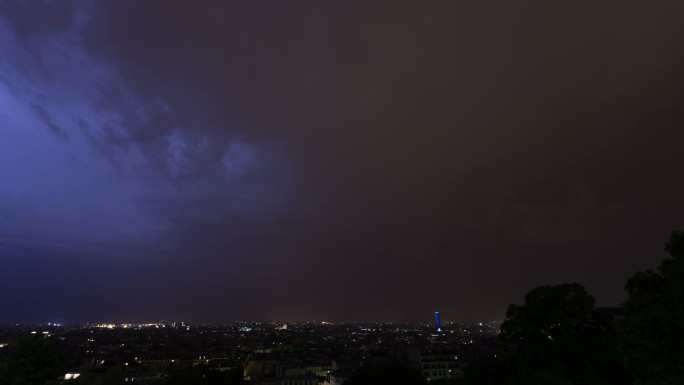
pixel 438 323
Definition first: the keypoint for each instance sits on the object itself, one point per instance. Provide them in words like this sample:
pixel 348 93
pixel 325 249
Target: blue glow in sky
pixel 165 159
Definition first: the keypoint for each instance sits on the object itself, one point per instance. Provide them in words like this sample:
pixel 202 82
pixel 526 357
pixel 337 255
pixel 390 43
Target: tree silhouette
pixel 653 329
pixel 556 337
pixel 33 363
pixel 551 315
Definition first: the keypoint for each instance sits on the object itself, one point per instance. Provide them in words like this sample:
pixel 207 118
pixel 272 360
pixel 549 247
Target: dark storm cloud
pixel 42 18
pixel 365 161
pixel 57 130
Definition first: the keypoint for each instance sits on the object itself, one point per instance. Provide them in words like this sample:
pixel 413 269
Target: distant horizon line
pixel 110 325
pixel 427 321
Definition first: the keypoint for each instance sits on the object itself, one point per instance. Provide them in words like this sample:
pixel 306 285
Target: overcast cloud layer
pixel 216 161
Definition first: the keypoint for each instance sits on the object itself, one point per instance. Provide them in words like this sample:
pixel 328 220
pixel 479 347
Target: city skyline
pixel 333 161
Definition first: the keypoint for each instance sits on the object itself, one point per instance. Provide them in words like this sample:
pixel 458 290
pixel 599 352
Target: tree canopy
pixel 33 363
pixel 555 337
pixel 652 334
pixel 558 337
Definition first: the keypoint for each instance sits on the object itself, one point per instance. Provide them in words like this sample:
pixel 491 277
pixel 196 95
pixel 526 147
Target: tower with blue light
pixel 438 323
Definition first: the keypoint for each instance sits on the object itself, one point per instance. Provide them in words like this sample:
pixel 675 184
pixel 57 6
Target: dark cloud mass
pixel 216 161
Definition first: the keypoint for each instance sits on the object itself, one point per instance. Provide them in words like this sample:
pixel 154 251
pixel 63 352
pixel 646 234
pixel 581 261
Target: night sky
pixel 332 160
